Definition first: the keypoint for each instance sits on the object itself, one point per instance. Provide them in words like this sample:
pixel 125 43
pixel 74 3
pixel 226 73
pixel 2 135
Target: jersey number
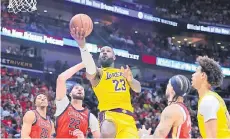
pixel 44 133
pixel 74 123
pixel 117 83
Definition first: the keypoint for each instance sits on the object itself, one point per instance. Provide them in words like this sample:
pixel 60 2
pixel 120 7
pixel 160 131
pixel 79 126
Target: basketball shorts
pixel 125 124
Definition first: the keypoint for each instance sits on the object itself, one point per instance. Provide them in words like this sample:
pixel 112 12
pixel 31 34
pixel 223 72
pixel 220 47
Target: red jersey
pixel 184 130
pixel 70 120
pixel 41 128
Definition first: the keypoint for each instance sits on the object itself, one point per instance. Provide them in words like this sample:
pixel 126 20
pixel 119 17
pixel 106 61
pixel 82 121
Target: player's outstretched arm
pixel 28 120
pixel 61 80
pixel 168 118
pixel 87 59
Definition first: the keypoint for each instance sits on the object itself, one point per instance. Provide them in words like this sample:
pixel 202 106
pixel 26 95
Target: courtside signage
pixel 124 11
pixel 41 38
pixel 183 66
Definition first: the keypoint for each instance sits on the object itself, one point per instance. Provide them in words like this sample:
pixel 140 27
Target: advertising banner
pixel 21 61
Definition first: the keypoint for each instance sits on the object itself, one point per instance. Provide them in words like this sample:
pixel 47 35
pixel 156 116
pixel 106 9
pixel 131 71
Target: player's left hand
pixel 127 73
pixel 79 134
pixel 143 132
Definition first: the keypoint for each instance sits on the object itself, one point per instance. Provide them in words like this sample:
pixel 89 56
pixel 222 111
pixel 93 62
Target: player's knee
pixel 108 129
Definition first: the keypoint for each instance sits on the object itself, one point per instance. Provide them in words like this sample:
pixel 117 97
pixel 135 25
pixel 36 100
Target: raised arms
pixel 93 74
pixel 61 80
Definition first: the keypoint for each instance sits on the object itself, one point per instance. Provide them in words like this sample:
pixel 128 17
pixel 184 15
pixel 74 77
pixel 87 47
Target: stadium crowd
pixel 212 11
pixel 20 87
pixel 152 43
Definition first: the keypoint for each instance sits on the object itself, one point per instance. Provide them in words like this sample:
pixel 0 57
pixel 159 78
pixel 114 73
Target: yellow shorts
pixel 125 124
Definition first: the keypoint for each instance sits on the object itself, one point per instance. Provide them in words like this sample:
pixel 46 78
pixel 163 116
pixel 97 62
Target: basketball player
pixel 73 120
pixel 36 124
pixel 175 119
pixel 112 88
pixel 213 116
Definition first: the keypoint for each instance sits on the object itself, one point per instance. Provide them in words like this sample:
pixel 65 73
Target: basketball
pixel 82 21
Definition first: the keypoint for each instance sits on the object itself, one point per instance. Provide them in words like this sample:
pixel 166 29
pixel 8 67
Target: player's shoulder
pixel 209 99
pixel 29 116
pixel 173 108
pixel 30 112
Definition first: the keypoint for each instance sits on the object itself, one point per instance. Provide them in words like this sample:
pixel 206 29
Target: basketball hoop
pixel 16 6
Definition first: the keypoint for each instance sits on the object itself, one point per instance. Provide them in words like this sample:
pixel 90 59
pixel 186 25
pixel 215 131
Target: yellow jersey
pixel 113 91
pixel 223 121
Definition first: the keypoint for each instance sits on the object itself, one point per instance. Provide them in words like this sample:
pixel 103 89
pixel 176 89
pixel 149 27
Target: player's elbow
pixel 61 78
pixel 137 88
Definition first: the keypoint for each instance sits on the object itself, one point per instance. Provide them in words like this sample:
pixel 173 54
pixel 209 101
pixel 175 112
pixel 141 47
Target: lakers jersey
pixel 113 91
pixel 223 123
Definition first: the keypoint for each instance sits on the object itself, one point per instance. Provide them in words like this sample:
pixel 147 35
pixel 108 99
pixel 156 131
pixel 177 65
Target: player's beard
pixel 167 96
pixel 77 97
pixel 105 63
pixel 42 107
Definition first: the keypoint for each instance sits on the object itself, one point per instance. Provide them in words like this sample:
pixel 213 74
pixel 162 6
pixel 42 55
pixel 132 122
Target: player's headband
pixel 71 86
pixel 181 85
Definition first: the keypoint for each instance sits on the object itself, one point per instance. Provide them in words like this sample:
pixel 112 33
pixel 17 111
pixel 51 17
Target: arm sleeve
pixel 209 107
pixel 93 123
pixel 61 105
pixel 88 61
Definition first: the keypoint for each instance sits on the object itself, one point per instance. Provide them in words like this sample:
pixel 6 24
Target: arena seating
pixel 151 43
pixel 19 88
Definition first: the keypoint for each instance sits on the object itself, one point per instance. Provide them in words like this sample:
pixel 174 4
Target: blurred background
pixel 156 38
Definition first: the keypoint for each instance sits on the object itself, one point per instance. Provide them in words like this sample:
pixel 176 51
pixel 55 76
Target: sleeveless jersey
pixel 41 128
pixel 223 120
pixel 184 130
pixel 70 120
pixel 113 91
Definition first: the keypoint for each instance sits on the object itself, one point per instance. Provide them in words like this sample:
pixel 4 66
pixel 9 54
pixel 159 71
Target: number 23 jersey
pixel 113 91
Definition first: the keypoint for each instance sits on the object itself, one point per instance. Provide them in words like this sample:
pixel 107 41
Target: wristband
pixel 83 49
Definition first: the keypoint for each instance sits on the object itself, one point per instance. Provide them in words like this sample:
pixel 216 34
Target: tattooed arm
pixel 167 121
pixel 171 116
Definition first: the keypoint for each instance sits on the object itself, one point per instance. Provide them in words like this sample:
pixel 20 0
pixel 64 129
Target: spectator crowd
pixel 148 42
pixel 20 87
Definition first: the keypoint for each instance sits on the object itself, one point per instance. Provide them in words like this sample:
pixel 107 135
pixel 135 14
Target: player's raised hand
pixel 78 133
pixel 79 35
pixel 127 73
pixel 143 132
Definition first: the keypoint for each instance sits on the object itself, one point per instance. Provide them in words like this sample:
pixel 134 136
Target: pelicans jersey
pixel 70 120
pixel 184 130
pixel 223 120
pixel 113 91
pixel 41 128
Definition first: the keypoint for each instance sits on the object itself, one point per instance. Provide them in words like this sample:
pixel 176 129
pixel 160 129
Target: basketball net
pixel 16 6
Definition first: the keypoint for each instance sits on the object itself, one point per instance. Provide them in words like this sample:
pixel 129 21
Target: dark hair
pixel 40 94
pixel 212 69
pixel 181 85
